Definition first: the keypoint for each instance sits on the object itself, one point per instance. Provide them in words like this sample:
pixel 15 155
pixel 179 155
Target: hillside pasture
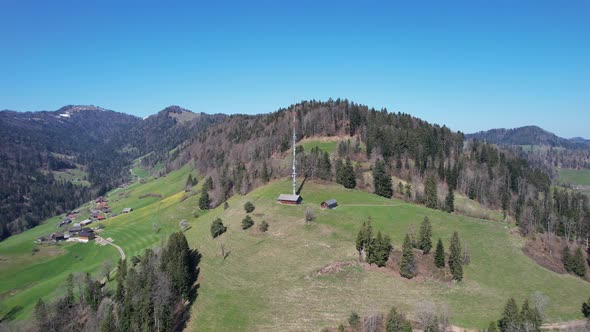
pixel 268 281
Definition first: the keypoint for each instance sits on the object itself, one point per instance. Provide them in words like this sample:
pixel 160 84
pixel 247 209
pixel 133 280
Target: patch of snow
pixel 65 115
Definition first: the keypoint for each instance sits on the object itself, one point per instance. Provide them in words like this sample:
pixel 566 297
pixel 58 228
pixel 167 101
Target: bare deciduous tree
pixel 309 215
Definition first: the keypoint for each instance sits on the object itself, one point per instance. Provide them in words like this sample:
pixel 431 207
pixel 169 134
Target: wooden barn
pixel 329 204
pixel 289 199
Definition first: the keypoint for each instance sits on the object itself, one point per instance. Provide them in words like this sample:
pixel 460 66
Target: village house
pixel 85 222
pixel 85 235
pixel 57 236
pixel 127 210
pixel 329 204
pixel 100 217
pixel 75 229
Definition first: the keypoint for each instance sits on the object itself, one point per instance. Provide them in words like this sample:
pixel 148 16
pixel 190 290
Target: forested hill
pixel 46 156
pixel 529 135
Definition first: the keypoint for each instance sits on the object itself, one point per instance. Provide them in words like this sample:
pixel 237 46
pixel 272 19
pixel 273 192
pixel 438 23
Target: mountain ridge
pixel 528 135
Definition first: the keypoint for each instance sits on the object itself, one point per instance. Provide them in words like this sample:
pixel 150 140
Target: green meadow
pixel 268 280
pixel 575 176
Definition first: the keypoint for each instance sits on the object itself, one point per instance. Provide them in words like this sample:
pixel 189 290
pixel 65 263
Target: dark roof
pixel 86 232
pixel 289 198
pixel 75 228
pixel 331 202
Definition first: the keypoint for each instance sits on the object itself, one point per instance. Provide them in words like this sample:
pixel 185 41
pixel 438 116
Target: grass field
pixel 267 282
pixel 575 176
pixel 75 176
pixel 25 277
pixel 328 144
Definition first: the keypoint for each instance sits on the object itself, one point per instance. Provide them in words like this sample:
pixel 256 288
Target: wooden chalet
pixel 329 204
pixel 289 199
pixel 127 210
pixel 85 235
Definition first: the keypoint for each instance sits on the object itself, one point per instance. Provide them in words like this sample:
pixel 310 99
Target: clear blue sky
pixel 471 65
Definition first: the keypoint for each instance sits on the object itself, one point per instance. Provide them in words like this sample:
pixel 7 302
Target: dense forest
pixel 432 162
pixel 101 143
pixel 529 135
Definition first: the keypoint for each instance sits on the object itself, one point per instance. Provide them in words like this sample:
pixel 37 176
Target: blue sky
pixel 471 65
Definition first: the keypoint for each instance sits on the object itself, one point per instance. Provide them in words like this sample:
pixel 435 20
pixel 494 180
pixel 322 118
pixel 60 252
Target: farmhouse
pixel 329 204
pixel 85 235
pixel 85 222
pixel 101 217
pixel 127 210
pixel 289 199
pixel 57 236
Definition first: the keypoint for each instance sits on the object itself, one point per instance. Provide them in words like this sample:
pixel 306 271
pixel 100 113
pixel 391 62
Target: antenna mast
pixel 294 174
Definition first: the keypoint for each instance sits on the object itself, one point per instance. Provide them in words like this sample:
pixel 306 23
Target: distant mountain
pixel 98 143
pixel 528 135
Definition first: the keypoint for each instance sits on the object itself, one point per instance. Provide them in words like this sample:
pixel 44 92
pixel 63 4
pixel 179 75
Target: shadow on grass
pixel 301 186
pixel 183 314
pixel 10 315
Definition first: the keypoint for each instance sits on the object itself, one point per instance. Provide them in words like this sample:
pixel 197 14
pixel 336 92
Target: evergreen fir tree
pixel 264 175
pixel 108 322
pixel 456 258
pixel 339 171
pixel 41 316
pixel 121 276
pixel 360 239
pixel 510 321
pixel 407 267
pixel 450 201
pixel 439 255
pixel 396 322
pixel 425 236
pixel 586 309
pixel 430 192
pixel 382 180
pixel 567 259
pixel 492 327
pixel 348 178
pixel 204 201
pixel 208 185
pixel 325 167
pixel 579 263
pixel 530 317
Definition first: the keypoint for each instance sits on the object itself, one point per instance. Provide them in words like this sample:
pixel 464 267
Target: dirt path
pixel 102 240
pixel 575 324
pixel 389 205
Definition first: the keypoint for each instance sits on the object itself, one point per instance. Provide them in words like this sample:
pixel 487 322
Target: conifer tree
pixel 586 309
pixel 208 185
pixel 382 180
pixel 339 170
pixel 430 192
pixel 396 322
pixel 450 201
pixel 264 175
pixel 456 258
pixel 41 316
pixel 425 236
pixel 567 259
pixel 530 317
pixel 492 327
pixel 121 276
pixel 204 201
pixel 379 250
pixel 510 321
pixel 579 263
pixel 407 267
pixel 439 255
pixel 348 178
pixel 326 167
pixel 108 322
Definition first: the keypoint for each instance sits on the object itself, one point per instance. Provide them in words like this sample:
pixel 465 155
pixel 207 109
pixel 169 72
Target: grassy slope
pixel 575 176
pixel 25 277
pixel 262 285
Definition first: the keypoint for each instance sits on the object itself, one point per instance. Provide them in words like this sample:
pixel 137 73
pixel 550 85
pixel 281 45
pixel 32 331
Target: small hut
pixel 329 204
